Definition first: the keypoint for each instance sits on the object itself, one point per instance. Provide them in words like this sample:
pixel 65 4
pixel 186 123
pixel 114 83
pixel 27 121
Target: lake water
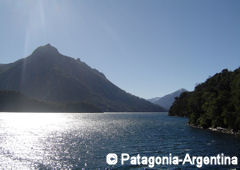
pixel 75 140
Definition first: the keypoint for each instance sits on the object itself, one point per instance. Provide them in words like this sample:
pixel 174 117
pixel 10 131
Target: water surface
pixel 77 140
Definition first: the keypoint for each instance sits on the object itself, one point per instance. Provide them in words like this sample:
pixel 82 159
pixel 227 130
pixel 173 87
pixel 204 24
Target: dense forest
pixel 214 103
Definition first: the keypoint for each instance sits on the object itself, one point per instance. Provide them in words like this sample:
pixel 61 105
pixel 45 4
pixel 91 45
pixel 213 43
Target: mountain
pixel 214 103
pixel 47 75
pixel 152 100
pixel 167 100
pixel 13 101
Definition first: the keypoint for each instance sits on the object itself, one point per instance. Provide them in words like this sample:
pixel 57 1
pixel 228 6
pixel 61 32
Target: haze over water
pixel 74 140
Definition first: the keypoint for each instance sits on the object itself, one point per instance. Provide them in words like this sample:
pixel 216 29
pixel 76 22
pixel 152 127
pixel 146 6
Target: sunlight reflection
pixel 22 121
pixel 24 144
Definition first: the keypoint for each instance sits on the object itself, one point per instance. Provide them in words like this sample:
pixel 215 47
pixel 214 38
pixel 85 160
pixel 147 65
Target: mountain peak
pixel 48 48
pixel 49 45
pixel 49 76
pixel 167 100
pixel 182 90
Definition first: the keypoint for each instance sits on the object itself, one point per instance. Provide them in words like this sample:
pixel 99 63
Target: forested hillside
pixel 214 103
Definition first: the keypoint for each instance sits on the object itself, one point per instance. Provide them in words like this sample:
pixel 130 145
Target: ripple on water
pixel 66 140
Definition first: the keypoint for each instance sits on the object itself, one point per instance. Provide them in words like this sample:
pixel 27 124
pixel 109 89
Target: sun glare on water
pixel 24 121
pixel 22 137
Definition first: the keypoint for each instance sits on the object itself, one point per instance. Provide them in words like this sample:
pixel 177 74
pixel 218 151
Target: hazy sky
pixel 146 47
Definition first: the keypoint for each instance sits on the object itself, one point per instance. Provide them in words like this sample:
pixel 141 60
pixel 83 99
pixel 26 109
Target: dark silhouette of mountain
pixel 12 101
pixel 167 100
pixel 49 76
pixel 214 103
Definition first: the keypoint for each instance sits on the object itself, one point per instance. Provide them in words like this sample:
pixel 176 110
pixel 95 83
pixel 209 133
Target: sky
pixel 146 47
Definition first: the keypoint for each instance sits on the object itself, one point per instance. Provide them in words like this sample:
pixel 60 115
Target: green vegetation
pixel 214 103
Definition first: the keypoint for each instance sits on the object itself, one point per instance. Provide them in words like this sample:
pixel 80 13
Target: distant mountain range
pixel 48 76
pixel 167 100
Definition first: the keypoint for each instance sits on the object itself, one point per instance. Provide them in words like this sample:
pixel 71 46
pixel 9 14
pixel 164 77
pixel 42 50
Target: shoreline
pixel 218 130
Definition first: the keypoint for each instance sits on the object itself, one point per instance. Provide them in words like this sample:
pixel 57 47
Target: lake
pixel 82 140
